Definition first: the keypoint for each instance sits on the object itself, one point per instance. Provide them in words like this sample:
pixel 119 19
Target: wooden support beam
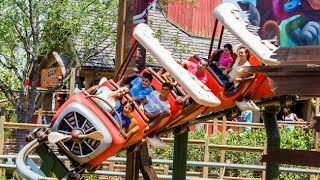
pixel 273 139
pixel 132 168
pixel 72 81
pixel 295 157
pixel 2 120
pixel 126 11
pixel 145 163
pixel 180 155
pixel 223 142
pixel 206 157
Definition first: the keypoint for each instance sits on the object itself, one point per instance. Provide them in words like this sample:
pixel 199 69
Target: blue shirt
pixel 155 105
pixel 137 90
pixel 125 120
pixel 247 117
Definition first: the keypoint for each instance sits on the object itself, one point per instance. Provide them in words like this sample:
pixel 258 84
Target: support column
pixel 2 120
pixel 72 81
pixel 273 139
pixel 145 163
pixel 126 11
pixel 132 167
pixel 180 155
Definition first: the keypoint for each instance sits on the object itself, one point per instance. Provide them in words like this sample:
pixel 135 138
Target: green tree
pixel 31 29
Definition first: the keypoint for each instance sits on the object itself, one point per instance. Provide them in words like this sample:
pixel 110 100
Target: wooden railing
pixel 205 143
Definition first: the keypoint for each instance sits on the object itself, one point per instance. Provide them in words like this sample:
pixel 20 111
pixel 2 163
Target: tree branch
pixel 95 49
pixel 21 8
pixel 24 41
pixel 34 31
pixel 8 93
pixel 3 63
pixel 14 67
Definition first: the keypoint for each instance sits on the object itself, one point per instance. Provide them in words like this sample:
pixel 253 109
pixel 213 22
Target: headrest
pixel 198 57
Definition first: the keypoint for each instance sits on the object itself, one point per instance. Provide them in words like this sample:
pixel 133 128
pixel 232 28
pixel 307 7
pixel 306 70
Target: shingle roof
pixel 169 36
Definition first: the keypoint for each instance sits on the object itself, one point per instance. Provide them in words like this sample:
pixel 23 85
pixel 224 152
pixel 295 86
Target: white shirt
pixel 237 70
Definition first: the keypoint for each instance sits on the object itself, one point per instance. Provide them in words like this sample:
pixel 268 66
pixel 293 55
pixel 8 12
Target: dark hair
pixel 228 46
pixel 206 60
pixel 246 51
pixel 131 103
pixel 147 76
pixel 167 84
pixel 288 109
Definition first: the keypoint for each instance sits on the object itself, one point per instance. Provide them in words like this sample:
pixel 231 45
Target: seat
pixel 133 129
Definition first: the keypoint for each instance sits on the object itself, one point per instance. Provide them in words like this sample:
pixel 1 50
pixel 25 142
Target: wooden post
pixel 111 168
pixel 180 155
pixel 223 142
pixel 165 169
pixel 264 164
pixel 273 139
pixel 215 126
pixel 205 171
pixel 2 119
pixel 145 163
pixel 72 81
pixel 317 113
pixel 88 81
pixel 121 31
pixel 132 166
pixel 40 113
pixel 126 11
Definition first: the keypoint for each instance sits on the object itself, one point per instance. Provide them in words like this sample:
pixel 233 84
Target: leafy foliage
pixel 297 139
pixel 30 30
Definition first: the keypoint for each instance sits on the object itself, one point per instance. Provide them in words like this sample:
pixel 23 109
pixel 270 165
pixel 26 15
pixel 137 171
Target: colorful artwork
pixel 291 22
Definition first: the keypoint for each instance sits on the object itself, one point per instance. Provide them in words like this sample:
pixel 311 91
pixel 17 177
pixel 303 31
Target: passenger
pixel 112 97
pixel 196 69
pixel 141 87
pixel 225 60
pixel 156 103
pixel 125 115
pixel 246 116
pixel 237 73
pixel 289 116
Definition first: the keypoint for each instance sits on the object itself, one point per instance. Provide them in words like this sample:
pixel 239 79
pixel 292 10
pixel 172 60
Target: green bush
pixel 297 139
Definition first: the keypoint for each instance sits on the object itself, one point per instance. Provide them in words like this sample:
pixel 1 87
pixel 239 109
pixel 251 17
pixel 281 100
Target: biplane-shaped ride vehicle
pixel 85 130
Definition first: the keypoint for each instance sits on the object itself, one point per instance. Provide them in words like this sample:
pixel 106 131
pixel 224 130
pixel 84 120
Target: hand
pixel 225 72
pixel 180 100
pixel 141 107
pixel 179 61
pixel 175 83
pixel 238 79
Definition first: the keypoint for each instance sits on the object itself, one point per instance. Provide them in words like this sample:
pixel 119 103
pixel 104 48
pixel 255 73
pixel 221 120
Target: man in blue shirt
pixel 141 87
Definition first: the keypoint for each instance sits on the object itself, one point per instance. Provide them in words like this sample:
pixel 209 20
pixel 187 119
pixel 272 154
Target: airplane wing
pixel 198 91
pixel 228 14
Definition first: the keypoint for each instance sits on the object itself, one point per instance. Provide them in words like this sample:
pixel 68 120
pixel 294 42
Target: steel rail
pixel 169 162
pixel 22 158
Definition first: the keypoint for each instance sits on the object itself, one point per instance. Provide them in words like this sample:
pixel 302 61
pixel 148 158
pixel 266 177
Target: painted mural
pixel 291 22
